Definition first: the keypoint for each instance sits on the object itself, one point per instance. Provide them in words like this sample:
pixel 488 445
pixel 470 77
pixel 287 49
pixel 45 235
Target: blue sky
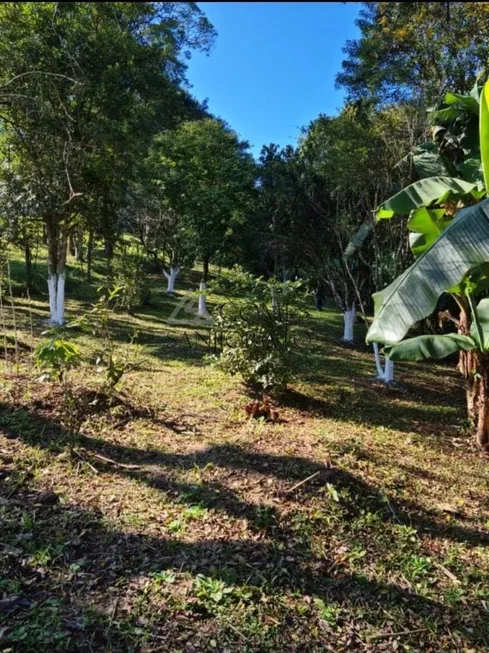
pixel 273 66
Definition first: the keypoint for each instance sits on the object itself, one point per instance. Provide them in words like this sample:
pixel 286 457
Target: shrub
pixel 257 340
pixel 129 275
pixel 56 357
pixel 237 282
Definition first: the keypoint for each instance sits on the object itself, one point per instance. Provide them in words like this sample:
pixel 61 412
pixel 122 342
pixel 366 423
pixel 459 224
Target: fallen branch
pixel 294 487
pixel 114 462
pixel 107 460
pixel 398 634
pixel 447 573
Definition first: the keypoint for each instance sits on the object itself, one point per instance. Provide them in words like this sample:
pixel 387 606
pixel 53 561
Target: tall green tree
pixel 347 171
pixel 415 49
pixel 83 87
pixel 207 175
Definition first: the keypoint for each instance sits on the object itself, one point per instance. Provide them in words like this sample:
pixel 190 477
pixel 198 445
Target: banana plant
pixel 448 173
pixel 457 261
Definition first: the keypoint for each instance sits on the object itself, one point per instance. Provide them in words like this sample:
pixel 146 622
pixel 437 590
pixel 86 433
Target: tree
pixel 161 231
pixel 415 49
pixel 453 256
pixel 270 240
pixel 206 174
pixel 83 87
pixel 347 170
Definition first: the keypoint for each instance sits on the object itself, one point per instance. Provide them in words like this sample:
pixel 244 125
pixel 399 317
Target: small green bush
pixel 128 274
pixel 257 339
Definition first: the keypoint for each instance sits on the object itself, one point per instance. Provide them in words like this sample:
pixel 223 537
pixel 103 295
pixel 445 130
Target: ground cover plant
pixel 180 523
pixel 195 454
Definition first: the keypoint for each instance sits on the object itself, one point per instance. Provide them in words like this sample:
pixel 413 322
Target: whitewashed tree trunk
pixel 274 299
pixel 386 373
pixel 56 289
pixel 202 310
pixel 171 278
pixel 389 371
pixel 378 364
pixel 349 323
pixel 57 241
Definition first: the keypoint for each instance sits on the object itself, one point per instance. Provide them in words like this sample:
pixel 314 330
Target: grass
pixel 196 540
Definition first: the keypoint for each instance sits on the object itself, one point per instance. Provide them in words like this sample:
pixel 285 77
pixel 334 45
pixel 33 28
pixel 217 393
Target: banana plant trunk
pixel 482 403
pixel 474 368
pixel 467 364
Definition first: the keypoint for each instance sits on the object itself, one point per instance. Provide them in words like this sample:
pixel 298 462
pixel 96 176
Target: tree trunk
pixel 57 238
pixel 482 403
pixel 202 310
pixel 89 255
pixel 171 278
pixel 78 242
pixel 72 244
pixel 349 322
pixel 109 254
pixel 378 364
pixel 385 373
pixel 388 371
pixel 206 268
pixel 467 364
pixel 28 266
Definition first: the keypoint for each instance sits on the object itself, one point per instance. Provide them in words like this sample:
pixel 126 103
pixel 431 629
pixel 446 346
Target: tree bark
pixel 72 244
pixel 171 278
pixel 482 402
pixel 205 268
pixel 28 266
pixel 467 364
pixel 78 242
pixel 384 373
pixel 109 253
pixel 90 255
pixel 57 238
pixel 349 323
pixel 202 308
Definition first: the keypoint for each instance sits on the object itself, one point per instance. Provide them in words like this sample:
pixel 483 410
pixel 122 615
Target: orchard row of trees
pixel 101 137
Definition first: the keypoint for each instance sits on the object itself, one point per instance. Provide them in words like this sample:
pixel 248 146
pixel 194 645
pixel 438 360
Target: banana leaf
pixel 462 246
pixel 484 133
pixel 426 347
pixel 423 193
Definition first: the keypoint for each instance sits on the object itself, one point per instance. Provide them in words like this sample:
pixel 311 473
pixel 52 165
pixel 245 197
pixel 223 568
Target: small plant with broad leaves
pixel 111 362
pixel 55 358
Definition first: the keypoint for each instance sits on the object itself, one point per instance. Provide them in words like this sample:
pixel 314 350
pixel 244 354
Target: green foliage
pixel 462 246
pixel 484 133
pixel 237 282
pixel 411 50
pixel 56 357
pixel 206 174
pixel 429 347
pixel 423 193
pixel 130 277
pixel 440 346
pixel 111 361
pixel 258 340
pixel 87 86
pixel 453 252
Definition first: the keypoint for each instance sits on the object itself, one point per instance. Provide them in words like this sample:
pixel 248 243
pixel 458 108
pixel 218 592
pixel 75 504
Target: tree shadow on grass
pixel 159 469
pixel 268 563
pixel 111 556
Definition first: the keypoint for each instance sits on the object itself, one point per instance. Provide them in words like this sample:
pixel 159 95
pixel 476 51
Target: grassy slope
pixel 199 544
